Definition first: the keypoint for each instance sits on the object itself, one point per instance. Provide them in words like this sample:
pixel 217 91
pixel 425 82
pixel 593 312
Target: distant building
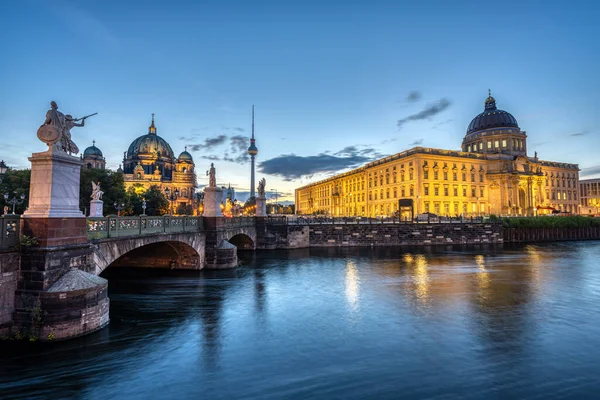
pixel 151 161
pixel 589 193
pixel 93 158
pixel 491 174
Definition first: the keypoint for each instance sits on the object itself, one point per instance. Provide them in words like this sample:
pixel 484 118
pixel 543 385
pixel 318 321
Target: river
pixel 443 323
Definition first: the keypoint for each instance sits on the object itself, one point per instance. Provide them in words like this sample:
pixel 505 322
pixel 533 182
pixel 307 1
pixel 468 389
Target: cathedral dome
pixel 92 151
pixel 185 156
pixel 492 117
pixel 150 144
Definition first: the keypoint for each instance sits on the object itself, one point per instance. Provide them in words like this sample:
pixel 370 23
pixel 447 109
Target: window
pixel 503 142
pixel 489 146
pixel 480 177
pixel 412 191
pixel 445 191
pixel 445 175
pixel 387 193
pixel 496 143
pixel 411 176
pixel 426 174
pixel 436 191
pixel 376 195
pixel 426 189
pixel 480 145
pixel 464 176
pixel 395 192
pixel 480 192
pixel 456 192
pixel 387 179
pixel 472 177
pixel 455 176
pixel 473 194
pixel 370 196
pixel 394 176
pixel 465 191
pixel 447 208
pixel 437 208
pixel 401 176
pixel 435 175
pixel 426 206
pixel 402 192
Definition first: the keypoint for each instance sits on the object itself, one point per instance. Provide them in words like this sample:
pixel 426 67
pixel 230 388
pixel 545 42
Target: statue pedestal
pixel 261 206
pixel 212 202
pixel 96 208
pixel 53 215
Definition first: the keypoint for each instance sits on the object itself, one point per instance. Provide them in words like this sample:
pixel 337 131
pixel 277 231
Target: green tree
pixel 184 209
pixel 15 183
pixel 156 202
pixel 111 183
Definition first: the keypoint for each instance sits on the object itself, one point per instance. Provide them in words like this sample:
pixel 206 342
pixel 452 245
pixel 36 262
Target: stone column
pixel 212 202
pixel 261 206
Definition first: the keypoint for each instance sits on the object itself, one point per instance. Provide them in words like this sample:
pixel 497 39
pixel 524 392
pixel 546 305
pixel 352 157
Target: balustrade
pixel 10 231
pixel 108 227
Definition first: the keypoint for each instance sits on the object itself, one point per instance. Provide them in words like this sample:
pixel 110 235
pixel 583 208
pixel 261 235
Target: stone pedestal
pixel 212 202
pixel 261 206
pixel 96 208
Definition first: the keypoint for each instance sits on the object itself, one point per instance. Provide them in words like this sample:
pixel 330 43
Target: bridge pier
pixel 219 253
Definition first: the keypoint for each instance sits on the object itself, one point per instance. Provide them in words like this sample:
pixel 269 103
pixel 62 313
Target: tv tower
pixel 253 151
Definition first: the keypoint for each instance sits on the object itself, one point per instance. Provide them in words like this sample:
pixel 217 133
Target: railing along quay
pixel 238 222
pixel 10 231
pixel 109 227
pixel 279 220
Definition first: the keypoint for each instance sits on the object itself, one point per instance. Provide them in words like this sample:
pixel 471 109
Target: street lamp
pixel 14 201
pixel 276 207
pixel 144 208
pixel 172 196
pixel 119 207
pixel 3 169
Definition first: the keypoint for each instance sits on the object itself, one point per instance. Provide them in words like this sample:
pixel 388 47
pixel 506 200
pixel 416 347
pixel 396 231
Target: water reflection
pixel 338 323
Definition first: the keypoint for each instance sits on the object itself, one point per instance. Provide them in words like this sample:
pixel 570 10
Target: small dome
pixel 492 117
pixel 92 151
pixel 185 156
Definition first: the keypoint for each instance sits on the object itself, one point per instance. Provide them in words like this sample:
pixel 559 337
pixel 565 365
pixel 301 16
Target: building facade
pixel 491 174
pixel 92 157
pixel 589 192
pixel 150 161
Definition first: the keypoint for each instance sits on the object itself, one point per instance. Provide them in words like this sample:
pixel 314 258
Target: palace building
pixel 589 192
pixel 150 161
pixel 92 157
pixel 491 174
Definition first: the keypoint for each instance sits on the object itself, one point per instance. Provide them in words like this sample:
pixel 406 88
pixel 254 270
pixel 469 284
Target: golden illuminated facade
pixel 491 174
pixel 589 192
pixel 151 161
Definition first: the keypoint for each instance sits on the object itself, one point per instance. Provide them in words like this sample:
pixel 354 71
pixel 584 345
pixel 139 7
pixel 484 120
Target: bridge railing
pixel 108 227
pixel 10 231
pixel 238 222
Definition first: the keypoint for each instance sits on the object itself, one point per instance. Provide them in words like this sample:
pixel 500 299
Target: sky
pixel 334 84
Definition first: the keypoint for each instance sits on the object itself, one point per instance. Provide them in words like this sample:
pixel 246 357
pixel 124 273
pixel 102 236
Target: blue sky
pixel 329 79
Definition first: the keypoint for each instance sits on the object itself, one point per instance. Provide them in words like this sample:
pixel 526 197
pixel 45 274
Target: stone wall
pixel 517 235
pixel 281 236
pixel 404 234
pixel 10 263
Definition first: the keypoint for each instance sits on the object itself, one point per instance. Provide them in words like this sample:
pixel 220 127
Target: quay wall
pixel 524 235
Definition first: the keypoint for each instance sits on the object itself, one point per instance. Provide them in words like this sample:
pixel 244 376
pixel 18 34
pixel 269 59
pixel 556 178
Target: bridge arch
pixel 242 241
pixel 179 251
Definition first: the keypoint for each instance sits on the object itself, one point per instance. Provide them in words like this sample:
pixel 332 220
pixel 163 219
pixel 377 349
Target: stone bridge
pixel 169 242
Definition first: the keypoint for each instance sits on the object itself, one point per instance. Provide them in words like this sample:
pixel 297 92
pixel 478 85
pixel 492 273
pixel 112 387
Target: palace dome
pixel 185 156
pixel 150 144
pixel 492 117
pixel 92 151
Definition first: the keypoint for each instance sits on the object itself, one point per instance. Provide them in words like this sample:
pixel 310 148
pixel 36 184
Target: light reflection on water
pixel 521 322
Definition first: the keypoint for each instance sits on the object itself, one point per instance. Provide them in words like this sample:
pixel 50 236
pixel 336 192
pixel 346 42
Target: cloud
pixel 239 149
pixel 413 96
pixel 417 142
pixel 211 158
pixel 595 170
pixel 436 126
pixel 426 113
pixel 583 133
pixel 291 166
pixel 239 129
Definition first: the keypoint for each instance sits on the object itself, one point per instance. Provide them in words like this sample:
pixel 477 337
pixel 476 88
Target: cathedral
pixel 492 173
pixel 150 161
pixel 92 157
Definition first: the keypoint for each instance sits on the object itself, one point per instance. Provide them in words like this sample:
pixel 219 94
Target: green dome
pixel 185 156
pixel 150 144
pixel 92 151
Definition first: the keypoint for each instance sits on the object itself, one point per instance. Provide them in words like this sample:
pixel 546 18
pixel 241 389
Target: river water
pixel 444 323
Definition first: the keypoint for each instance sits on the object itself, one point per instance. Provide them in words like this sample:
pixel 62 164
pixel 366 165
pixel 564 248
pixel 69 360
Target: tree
pixel 183 209
pixel 156 202
pixel 15 183
pixel 111 183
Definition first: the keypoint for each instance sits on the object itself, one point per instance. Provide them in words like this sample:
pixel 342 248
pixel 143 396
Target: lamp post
pixel 144 208
pixel 14 201
pixel 535 211
pixel 3 169
pixel 172 196
pixel 276 208
pixel 119 207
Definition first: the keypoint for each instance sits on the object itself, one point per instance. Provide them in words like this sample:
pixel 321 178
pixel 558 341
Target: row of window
pixel 517 144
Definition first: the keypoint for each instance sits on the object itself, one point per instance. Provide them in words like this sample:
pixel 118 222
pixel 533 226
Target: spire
pixel 490 102
pixel 94 143
pixel 184 148
pixel 152 128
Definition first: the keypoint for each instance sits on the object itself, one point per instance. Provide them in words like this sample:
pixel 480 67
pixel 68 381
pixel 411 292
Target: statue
pixel 96 192
pixel 5 210
pixel 261 187
pixel 212 176
pixel 56 130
